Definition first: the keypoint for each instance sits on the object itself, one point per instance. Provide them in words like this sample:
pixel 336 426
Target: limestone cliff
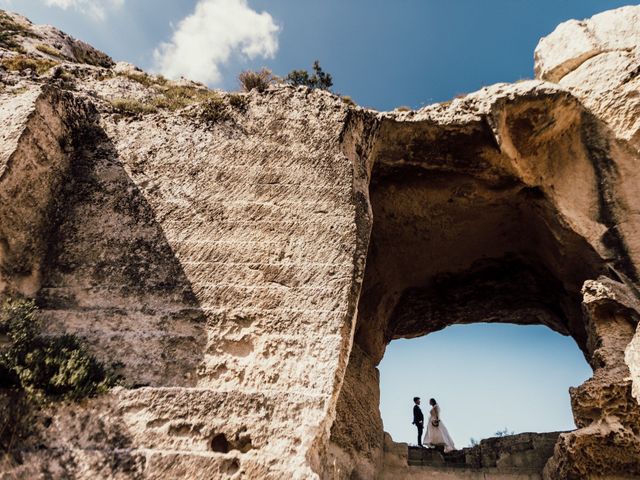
pixel 243 259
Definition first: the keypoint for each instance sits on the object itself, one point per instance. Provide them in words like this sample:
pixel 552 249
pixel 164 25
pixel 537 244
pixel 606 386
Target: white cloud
pixel 94 8
pixel 215 31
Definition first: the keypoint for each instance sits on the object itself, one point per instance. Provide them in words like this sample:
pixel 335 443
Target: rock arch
pixel 507 217
pixel 260 231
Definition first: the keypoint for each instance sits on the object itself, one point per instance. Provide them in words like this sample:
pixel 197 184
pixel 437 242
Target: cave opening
pixel 489 379
pixel 453 243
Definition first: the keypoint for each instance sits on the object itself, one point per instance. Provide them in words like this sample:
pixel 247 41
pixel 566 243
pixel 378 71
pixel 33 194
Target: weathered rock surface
pixel 525 451
pixel 244 262
pixel 48 42
pixel 598 61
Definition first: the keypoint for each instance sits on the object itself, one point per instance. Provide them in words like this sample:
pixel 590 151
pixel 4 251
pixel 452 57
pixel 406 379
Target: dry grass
pixel 348 100
pixel 64 74
pixel 144 79
pixel 210 107
pixel 170 96
pixel 403 108
pixel 176 97
pixel 132 107
pixel 49 50
pixel 20 63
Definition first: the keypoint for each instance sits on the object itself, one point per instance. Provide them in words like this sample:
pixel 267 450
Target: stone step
pixel 285 168
pixel 183 419
pixel 425 457
pixel 234 321
pixel 250 260
pixel 90 464
pixel 149 349
pixel 184 348
pixel 525 452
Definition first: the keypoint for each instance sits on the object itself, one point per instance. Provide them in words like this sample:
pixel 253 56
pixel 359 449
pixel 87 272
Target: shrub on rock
pixel 318 79
pixel 256 80
pixel 59 366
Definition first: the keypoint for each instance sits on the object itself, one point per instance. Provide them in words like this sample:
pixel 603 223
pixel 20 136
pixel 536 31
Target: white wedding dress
pixel 438 436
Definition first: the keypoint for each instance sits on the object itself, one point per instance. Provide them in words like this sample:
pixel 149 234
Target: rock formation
pixel 244 259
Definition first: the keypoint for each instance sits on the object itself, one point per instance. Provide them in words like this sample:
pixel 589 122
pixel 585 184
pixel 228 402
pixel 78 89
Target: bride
pixel 437 434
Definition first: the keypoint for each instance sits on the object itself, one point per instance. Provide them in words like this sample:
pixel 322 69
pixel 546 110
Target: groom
pixel 418 419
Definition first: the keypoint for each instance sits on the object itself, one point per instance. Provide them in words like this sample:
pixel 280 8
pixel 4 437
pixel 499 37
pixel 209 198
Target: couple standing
pixel 437 434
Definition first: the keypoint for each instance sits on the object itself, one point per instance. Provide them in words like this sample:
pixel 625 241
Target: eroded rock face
pixel 46 41
pixel 244 268
pixel 204 260
pixel 597 60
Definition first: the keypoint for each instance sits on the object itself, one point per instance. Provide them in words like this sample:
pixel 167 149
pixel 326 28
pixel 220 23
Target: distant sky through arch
pixel 486 377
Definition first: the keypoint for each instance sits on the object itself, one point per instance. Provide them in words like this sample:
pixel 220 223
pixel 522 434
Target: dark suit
pixel 418 421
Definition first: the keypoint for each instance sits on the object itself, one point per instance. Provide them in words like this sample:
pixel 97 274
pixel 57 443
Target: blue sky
pixel 485 377
pixel 383 54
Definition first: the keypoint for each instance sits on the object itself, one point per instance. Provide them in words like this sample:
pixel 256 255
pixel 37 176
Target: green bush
pixel 58 366
pixel 260 80
pixel 318 79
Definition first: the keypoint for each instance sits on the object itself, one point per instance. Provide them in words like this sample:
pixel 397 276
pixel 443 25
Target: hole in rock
pixel 458 250
pixel 233 466
pixel 488 379
pixel 219 443
pixel 242 441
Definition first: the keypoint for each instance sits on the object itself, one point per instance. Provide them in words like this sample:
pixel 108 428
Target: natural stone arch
pixel 277 199
pixel 497 219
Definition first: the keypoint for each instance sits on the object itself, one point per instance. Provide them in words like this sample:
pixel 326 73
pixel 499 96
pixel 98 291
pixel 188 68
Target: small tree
pixel 258 80
pixel 504 433
pixel 298 77
pixel 319 79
